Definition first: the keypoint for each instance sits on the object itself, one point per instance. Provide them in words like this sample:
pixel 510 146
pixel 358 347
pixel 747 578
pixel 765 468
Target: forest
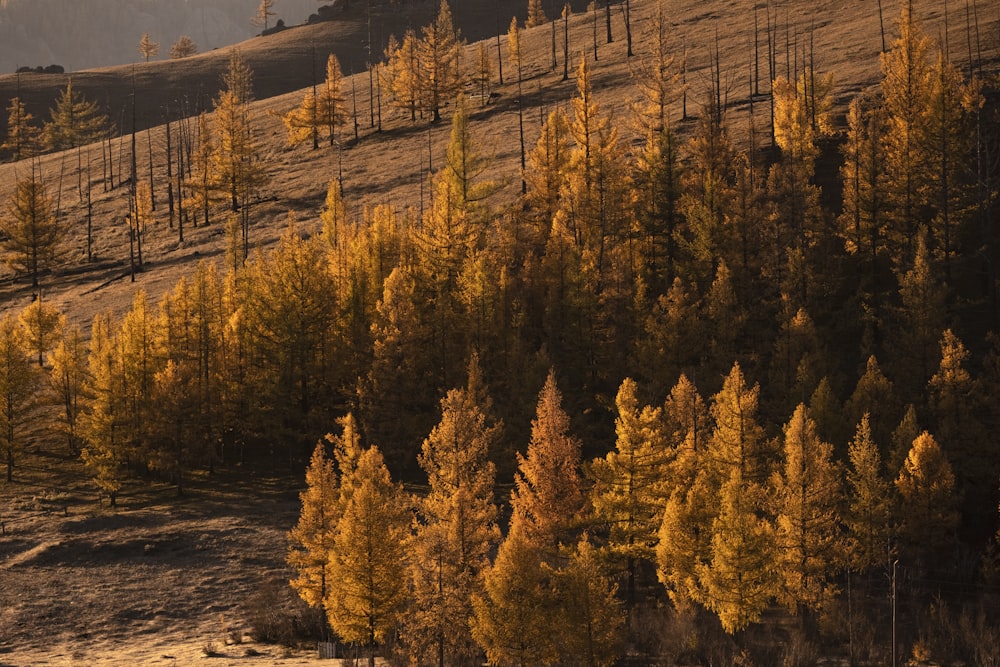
pixel 726 397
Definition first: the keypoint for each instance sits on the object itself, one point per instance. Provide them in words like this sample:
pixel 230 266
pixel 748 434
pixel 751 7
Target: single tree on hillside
pixel 263 13
pixel 147 47
pixel 75 121
pixel 33 238
pixel 43 325
pixel 440 74
pixel 536 15
pixel 22 137
pixel 183 47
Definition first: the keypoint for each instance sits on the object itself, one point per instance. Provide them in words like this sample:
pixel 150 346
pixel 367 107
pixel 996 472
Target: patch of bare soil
pixel 159 580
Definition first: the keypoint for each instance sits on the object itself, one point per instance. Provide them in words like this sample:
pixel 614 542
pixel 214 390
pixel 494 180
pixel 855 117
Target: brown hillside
pixel 844 36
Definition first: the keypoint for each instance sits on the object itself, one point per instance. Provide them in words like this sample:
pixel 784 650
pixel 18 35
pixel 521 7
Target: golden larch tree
pixel 368 561
pixel 456 529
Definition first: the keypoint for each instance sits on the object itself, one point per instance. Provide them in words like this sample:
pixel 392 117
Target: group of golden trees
pixel 664 262
pixel 74 122
pixel 380 562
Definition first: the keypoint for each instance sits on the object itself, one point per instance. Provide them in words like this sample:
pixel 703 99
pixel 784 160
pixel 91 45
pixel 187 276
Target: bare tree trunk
pixel 565 16
pixel 607 19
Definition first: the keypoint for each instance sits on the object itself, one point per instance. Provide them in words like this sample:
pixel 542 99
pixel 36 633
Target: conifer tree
pixel 147 47
pixel 546 172
pixel 949 129
pixel 512 619
pixel 901 440
pixel 869 502
pixel 548 487
pixel 237 168
pixel 685 537
pixel 288 314
pixel 905 90
pixel 368 560
pixel 311 540
pixel 629 483
pixel 102 422
pixel 808 519
pixel 920 320
pixel 737 441
pixel 656 77
pixel 43 325
pixel 263 14
pixel 875 396
pixel 955 399
pixel 68 381
pixel 303 121
pixel 331 105
pixel 926 486
pixel 23 138
pixel 536 15
pixel 457 527
pixel 484 73
pixel 18 381
pixel 403 73
pixel 740 577
pixel 595 187
pixel 33 235
pixel 687 427
pixel 591 618
pixel 440 75
pixel 140 355
pixel 864 217
pixel 75 121
pixel 184 47
pixel 203 187
pixel 397 392
pixel 658 192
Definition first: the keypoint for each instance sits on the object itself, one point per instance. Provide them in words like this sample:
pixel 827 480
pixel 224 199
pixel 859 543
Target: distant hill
pixel 100 33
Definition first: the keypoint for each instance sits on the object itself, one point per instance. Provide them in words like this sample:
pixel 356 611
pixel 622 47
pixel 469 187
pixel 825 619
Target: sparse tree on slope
pixel 33 236
pixel 183 48
pixel 22 137
pixel 75 121
pixel 263 14
pixel 43 325
pixel 147 47
pixel 536 15
pixel 440 75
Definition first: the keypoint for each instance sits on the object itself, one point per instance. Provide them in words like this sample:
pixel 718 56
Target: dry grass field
pixel 165 580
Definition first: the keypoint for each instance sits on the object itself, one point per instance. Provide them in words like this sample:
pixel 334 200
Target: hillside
pixel 282 63
pixel 103 33
pixel 175 580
